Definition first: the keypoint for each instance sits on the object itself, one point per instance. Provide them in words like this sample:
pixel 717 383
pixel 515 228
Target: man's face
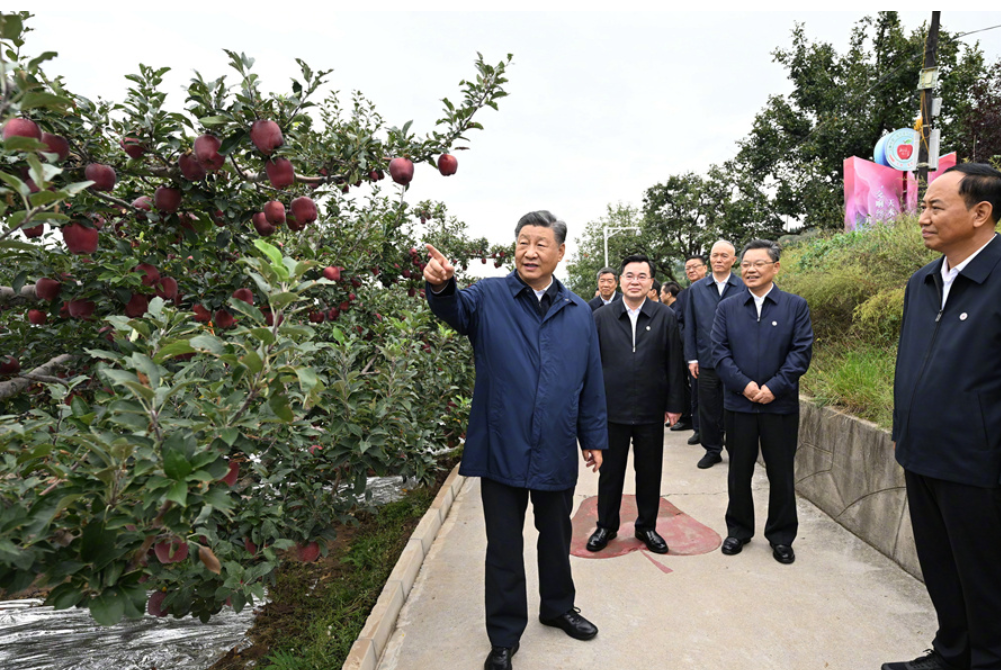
pixel 757 268
pixel 695 269
pixel 666 297
pixel 653 295
pixel 722 258
pixel 946 222
pixel 636 280
pixel 606 285
pixel 536 255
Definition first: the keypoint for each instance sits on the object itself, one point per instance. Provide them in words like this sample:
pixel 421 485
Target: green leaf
pixel 176 464
pixel 174 349
pixel 108 608
pixel 253 362
pixel 179 493
pixel 230 435
pixel 278 402
pixel 64 596
pixel 307 379
pixel 43 198
pixel 43 99
pixel 213 120
pixel 270 251
pixel 207 343
pixel 263 334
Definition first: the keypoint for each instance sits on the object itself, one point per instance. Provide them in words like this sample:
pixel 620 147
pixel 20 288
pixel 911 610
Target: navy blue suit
pixel 596 302
pixel 947 428
pixel 773 350
pixel 699 313
pixel 691 389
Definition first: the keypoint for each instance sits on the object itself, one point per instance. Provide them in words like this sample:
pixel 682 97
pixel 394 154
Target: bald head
pixel 721 258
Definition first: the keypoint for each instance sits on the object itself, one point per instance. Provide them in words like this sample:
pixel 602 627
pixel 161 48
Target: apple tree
pixel 212 328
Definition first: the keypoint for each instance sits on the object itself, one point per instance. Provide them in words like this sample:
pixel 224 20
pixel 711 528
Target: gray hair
pixel 726 242
pixel 773 249
pixel 608 271
pixel 543 219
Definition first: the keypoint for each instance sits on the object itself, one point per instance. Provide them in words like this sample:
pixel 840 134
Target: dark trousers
pixel 648 461
pixel 777 435
pixel 506 597
pixel 711 428
pixel 693 390
pixel 957 532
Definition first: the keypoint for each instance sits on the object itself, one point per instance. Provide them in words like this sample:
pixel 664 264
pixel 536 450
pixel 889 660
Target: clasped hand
pixel 758 394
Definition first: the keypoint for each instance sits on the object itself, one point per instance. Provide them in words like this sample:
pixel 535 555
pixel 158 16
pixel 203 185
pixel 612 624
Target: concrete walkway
pixel 841 606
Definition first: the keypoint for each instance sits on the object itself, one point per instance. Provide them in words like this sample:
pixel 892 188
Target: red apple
pixel 47 289
pixel 79 239
pixel 191 168
pixel 166 288
pixel 244 294
pixel 9 366
pixel 307 552
pixel 401 170
pixel 274 212
pixel 137 306
pixel 104 177
pixel 333 314
pixel 316 317
pixel 266 136
pixel 132 146
pixel 174 551
pixel 207 149
pixel 37 317
pixel 201 314
pixel 142 204
pixel 333 273
pixel 224 319
pixel 234 472
pixel 34 231
pixel 304 210
pixel 447 164
pixel 905 151
pixel 21 128
pixel 260 221
pixel 81 309
pixel 280 172
pixel 152 274
pixel 167 199
pixel 58 145
pixel 250 546
pixel 154 606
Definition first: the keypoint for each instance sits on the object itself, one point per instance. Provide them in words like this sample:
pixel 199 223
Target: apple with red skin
pixel 447 165
pixel 142 204
pixel 307 552
pixel 191 169
pixel 224 319
pixel 37 317
pixel 57 145
pixel 401 170
pixel 280 172
pixel 905 151
pixel 345 306
pixel 266 136
pixel 21 128
pixel 333 314
pixel 274 212
pixel 244 294
pixel 206 148
pixel 411 292
pixel 81 309
pixel 34 231
pixel 174 551
pixel 234 472
pixel 103 176
pixel 132 146
pixel 304 210
pixel 152 274
pixel 47 289
pixel 136 306
pixel 9 366
pixel 202 315
pixel 166 288
pixel 154 606
pixel 79 239
pixel 317 317
pixel 332 272
pixel 260 221
pixel 167 199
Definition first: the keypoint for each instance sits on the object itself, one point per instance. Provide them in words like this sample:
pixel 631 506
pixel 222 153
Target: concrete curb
pixel 367 649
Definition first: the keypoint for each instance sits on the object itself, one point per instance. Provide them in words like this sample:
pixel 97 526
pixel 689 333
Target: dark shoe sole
pixel 695 439
pixel 595 549
pixel 659 550
pixel 785 560
pixel 574 635
pixel 705 464
pixel 733 552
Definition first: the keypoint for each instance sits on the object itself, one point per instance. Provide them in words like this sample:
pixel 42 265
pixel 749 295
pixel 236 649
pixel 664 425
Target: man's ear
pixel 983 213
pixel 563 250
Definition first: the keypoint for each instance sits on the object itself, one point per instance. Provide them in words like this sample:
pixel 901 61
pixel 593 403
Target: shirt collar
pixel 947 271
pixel 725 281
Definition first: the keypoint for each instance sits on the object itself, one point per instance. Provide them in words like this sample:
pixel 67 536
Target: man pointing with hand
pixel 538 390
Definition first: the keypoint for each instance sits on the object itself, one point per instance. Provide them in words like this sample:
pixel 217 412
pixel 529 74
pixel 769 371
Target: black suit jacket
pixel 642 383
pixel 596 302
pixel 947 385
pixel 700 312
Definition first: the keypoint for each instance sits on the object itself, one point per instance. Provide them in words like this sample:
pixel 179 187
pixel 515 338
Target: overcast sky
pixel 601 106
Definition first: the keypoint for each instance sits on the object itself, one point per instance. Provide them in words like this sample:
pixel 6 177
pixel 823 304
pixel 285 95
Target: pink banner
pixel 875 192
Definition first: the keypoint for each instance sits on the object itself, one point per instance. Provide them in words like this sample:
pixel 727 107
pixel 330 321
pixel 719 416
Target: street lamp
pixel 609 232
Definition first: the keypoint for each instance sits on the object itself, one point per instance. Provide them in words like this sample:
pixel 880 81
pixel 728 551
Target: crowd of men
pixel 723 357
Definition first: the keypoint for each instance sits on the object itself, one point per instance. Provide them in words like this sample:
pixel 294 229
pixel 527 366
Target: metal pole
pixel 931 49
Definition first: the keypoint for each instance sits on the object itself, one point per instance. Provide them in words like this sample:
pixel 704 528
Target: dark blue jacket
pixel 773 351
pixel 538 386
pixel 700 311
pixel 947 386
pixel 597 302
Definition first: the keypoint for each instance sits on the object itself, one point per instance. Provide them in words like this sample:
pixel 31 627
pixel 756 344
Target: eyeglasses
pixel 632 277
pixel 757 265
pixel 689 268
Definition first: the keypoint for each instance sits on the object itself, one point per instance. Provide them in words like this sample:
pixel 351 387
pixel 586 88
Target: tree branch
pixel 27 292
pixel 23 382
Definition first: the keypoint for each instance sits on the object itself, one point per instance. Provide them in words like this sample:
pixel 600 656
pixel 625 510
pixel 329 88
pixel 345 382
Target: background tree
pixel 589 255
pixel 181 401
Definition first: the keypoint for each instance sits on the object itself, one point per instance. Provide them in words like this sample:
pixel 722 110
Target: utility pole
pixel 929 77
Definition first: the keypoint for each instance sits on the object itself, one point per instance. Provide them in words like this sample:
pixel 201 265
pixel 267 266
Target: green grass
pixel 856 377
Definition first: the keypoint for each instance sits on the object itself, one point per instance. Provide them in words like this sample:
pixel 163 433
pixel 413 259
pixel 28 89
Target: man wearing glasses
pixel 762 344
pixel 706 294
pixel 695 269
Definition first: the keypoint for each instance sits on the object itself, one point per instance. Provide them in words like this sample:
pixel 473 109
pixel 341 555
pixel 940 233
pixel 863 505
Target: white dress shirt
pixel 949 275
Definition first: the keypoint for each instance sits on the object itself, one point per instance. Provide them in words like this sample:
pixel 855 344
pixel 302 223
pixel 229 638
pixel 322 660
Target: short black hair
pixel 656 286
pixel 672 287
pixel 608 271
pixel 638 258
pixel 774 250
pixel 544 219
pixel 981 183
pixel 698 257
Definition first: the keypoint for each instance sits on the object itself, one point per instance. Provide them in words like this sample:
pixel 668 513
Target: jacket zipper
pixel 931 347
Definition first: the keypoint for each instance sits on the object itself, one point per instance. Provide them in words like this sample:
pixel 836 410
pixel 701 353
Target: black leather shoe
pixel 500 658
pixel 573 624
pixel 599 539
pixel 680 426
pixel 733 545
pixel 709 460
pixel 695 439
pixel 932 660
pixel 652 540
pixel 783 553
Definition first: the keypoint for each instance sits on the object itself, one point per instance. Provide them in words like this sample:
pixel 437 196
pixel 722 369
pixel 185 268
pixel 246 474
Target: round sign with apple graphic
pixel 901 149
